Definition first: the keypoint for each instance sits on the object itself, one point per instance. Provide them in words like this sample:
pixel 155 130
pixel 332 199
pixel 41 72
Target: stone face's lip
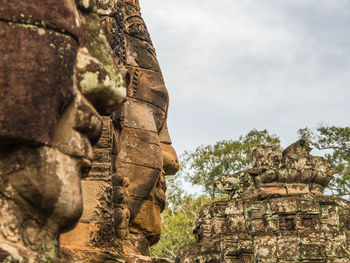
pixel 160 198
pixel 85 167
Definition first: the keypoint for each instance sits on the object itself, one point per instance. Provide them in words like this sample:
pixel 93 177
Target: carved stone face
pixel 148 153
pixel 46 179
pixel 140 153
pixel 145 152
pixel 47 124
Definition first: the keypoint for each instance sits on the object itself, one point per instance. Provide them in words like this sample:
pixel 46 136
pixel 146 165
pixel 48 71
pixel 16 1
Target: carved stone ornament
pixel 57 75
pixel 124 194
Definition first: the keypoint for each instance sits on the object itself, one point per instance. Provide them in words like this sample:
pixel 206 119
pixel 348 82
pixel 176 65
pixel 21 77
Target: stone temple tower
pixel 276 212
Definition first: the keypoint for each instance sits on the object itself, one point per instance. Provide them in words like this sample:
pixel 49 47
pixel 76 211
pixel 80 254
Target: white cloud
pixel 231 66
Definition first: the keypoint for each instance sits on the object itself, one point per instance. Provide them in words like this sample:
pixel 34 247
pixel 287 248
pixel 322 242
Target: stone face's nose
pixel 170 160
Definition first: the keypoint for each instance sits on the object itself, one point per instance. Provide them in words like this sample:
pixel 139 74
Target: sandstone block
pixel 236 224
pixel 100 170
pixel 288 248
pixel 294 189
pixel 287 222
pixel 218 226
pixel 36 13
pixel 97 202
pixel 311 206
pixel 102 155
pixel 148 221
pixel 312 252
pixel 234 207
pixel 257 227
pixel 38 63
pixel 139 115
pixel 336 246
pixel 283 205
pixel 148 85
pixel 265 248
pixel 140 54
pixel 308 221
pixel 142 179
pixel 140 147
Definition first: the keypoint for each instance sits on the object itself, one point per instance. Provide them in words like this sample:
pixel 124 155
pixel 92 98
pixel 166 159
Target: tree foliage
pixel 177 219
pixel 208 162
pixel 335 141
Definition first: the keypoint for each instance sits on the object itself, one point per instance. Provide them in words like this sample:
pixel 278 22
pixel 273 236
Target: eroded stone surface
pixel 276 212
pixel 138 153
pixel 145 154
pixel 47 125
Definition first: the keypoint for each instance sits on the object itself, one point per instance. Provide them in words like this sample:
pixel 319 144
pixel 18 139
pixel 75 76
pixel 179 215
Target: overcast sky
pixel 234 65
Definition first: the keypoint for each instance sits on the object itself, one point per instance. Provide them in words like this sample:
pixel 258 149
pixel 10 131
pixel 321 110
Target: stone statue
pixel 81 89
pixel 124 194
pixel 57 75
pixel 145 153
pixel 276 212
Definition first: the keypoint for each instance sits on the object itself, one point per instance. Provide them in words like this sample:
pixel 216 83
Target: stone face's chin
pixel 69 206
pixel 160 198
pixel 47 181
pixel 148 221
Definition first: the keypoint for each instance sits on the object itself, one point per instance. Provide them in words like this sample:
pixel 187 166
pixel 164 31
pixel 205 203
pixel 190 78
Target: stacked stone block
pixel 275 212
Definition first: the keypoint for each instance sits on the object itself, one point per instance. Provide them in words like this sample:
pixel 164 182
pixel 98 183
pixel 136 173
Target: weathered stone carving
pixel 139 150
pixel 63 70
pixel 49 67
pixel 276 213
pixel 145 154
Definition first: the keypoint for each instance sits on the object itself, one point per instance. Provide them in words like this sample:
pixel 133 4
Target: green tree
pixel 177 219
pixel 208 162
pixel 335 142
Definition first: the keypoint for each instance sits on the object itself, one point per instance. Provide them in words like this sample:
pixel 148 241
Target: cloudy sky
pixel 234 65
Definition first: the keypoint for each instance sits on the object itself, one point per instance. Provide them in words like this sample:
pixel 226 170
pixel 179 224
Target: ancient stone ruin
pixel 125 191
pixel 276 212
pixel 57 76
pixel 74 68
